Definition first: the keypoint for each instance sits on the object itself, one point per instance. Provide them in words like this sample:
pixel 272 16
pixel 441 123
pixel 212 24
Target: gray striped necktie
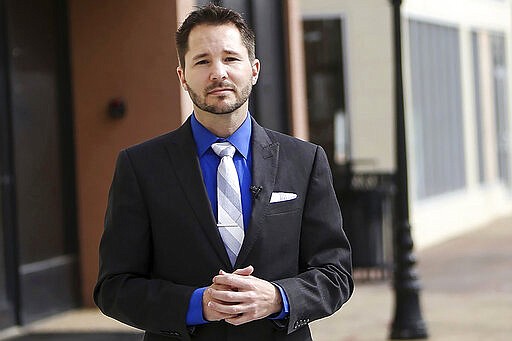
pixel 229 201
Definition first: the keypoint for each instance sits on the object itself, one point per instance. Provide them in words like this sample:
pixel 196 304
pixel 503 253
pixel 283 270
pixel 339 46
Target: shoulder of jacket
pixel 286 140
pixel 155 142
pixel 148 144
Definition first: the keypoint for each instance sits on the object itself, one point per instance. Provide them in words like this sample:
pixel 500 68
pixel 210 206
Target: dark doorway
pixel 328 119
pixel 42 230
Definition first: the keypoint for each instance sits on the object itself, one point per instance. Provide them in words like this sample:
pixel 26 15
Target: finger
pixel 209 313
pixel 247 271
pixel 219 287
pixel 234 281
pixel 239 319
pixel 218 296
pixel 213 315
pixel 229 296
pixel 227 309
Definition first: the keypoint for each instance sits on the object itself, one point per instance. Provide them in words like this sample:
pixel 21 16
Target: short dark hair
pixel 213 15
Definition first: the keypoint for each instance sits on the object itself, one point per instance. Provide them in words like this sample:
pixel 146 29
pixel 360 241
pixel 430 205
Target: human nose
pixel 218 71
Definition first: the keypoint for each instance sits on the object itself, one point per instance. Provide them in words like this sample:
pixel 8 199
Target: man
pixel 231 247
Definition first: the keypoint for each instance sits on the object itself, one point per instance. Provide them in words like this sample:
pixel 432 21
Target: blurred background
pixel 82 79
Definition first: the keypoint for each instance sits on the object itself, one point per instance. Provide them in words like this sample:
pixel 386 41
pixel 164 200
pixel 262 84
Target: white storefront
pixel 457 57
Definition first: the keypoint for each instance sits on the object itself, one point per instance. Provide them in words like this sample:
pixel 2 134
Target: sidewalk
pixel 467 295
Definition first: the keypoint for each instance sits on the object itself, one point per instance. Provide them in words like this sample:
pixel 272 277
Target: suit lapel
pixel 183 154
pixel 265 155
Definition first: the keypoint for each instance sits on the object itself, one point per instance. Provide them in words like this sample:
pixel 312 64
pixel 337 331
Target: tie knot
pixel 223 149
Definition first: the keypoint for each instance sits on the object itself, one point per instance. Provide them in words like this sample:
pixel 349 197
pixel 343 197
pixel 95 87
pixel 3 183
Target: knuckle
pixel 253 309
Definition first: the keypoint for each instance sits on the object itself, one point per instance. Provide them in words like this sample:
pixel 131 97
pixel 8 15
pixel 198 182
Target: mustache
pixel 222 84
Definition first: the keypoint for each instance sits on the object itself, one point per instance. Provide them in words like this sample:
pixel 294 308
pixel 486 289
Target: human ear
pixel 256 65
pixel 181 77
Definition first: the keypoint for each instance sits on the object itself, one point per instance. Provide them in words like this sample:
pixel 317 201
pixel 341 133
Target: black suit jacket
pixel 160 241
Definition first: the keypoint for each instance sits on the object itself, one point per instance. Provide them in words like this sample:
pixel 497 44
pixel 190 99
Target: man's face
pixel 218 74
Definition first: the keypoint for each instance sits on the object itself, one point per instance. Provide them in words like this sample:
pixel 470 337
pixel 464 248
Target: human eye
pixel 231 59
pixel 201 62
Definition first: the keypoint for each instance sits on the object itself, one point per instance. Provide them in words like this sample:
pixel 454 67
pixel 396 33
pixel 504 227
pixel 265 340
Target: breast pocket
pixel 284 207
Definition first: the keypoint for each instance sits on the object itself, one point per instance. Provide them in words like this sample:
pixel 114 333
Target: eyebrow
pixel 203 55
pixel 232 52
pixel 199 56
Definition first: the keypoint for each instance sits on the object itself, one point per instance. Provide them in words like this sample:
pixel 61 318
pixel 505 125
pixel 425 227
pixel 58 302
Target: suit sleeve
pixel 125 290
pixel 324 282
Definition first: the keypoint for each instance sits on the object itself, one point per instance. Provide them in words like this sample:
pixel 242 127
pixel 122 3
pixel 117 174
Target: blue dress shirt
pixel 209 162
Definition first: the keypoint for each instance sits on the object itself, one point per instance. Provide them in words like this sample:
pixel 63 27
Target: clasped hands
pixel 239 297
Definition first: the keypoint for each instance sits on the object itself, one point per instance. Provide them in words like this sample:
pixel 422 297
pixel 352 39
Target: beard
pixel 223 108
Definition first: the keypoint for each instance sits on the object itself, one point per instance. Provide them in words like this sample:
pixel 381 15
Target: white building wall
pixel 369 44
pixel 441 217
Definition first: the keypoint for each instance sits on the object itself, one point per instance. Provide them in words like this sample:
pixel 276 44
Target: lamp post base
pixel 408 323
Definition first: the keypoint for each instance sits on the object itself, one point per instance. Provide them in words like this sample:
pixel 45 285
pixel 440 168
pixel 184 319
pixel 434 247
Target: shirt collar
pixel 204 138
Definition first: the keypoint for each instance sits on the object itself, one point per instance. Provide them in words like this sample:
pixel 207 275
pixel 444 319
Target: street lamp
pixel 408 322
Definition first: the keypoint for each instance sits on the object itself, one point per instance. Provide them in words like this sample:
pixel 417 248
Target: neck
pixel 222 125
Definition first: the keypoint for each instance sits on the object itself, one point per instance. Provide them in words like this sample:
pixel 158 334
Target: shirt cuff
pixel 286 306
pixel 195 308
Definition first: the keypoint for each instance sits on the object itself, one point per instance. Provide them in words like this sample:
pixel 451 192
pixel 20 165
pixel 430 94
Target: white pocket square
pixel 282 196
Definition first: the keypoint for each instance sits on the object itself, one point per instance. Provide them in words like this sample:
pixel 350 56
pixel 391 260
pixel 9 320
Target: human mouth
pixel 220 91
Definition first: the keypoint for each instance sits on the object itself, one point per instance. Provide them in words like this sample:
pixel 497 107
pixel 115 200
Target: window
pixel 436 108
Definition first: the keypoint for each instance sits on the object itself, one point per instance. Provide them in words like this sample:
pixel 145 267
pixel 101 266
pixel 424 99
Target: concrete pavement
pixel 467 295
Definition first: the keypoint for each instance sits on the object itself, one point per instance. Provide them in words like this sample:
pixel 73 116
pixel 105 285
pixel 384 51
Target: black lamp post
pixel 408 322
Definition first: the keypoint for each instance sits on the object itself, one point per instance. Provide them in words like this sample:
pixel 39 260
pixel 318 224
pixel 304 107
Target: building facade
pixel 456 78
